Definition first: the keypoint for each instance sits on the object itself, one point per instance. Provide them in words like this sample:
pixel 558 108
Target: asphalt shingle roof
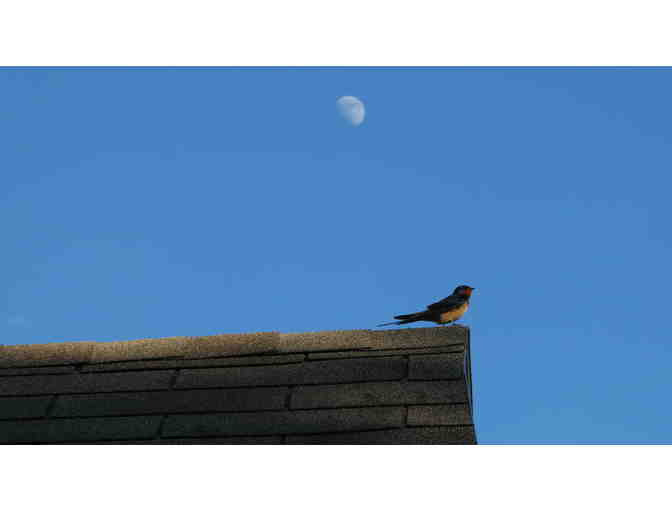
pixel 404 386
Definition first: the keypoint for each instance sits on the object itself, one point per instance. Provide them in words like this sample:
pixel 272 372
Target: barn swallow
pixel 442 312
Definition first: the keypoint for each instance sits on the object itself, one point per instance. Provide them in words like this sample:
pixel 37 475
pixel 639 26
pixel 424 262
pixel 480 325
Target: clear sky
pixel 140 203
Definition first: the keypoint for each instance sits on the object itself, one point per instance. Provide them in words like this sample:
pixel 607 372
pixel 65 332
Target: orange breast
pixel 453 315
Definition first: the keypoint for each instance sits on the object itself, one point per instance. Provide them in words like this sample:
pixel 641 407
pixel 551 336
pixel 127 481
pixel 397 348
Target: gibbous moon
pixel 351 109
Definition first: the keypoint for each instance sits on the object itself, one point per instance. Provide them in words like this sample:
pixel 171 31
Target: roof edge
pixel 225 345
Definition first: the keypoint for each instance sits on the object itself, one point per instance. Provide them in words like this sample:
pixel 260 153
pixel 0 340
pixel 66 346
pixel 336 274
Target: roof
pixel 403 386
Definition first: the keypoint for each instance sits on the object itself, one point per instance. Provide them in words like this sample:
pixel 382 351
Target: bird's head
pixel 463 291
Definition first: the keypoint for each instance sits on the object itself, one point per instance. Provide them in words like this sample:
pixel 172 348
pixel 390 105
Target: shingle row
pixel 434 366
pixel 299 427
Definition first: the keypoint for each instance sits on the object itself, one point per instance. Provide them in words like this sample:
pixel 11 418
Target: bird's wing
pixel 447 304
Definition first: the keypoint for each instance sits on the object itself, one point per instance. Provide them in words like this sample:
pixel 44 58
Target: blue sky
pixel 140 203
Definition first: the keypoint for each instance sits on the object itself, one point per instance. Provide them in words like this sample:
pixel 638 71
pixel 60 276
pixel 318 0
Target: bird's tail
pixel 405 319
pixel 395 323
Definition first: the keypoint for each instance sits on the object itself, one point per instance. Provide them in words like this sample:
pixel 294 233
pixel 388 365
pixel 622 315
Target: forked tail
pixel 405 319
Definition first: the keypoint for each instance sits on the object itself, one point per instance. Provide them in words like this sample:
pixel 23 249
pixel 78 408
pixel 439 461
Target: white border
pixel 330 33
pixel 335 477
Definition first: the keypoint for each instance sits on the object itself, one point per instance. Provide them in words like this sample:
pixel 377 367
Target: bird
pixel 442 312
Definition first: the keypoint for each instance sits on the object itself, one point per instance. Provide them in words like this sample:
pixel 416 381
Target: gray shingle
pixel 85 383
pixel 378 393
pixel 81 429
pixel 23 407
pixel 215 346
pixel 187 363
pixel 436 366
pixel 113 441
pixel 370 353
pixel 63 353
pixel 313 372
pixel 226 440
pixel 420 435
pixel 452 414
pixel 186 347
pixel 146 348
pixel 150 402
pixel 364 338
pixel 238 440
pixel 38 370
pixel 298 422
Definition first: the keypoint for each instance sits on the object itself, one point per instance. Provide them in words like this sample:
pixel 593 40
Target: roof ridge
pixel 225 345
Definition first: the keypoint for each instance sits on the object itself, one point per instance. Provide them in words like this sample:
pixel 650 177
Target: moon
pixel 351 109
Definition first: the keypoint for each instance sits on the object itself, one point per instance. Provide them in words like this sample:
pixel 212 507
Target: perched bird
pixel 442 312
